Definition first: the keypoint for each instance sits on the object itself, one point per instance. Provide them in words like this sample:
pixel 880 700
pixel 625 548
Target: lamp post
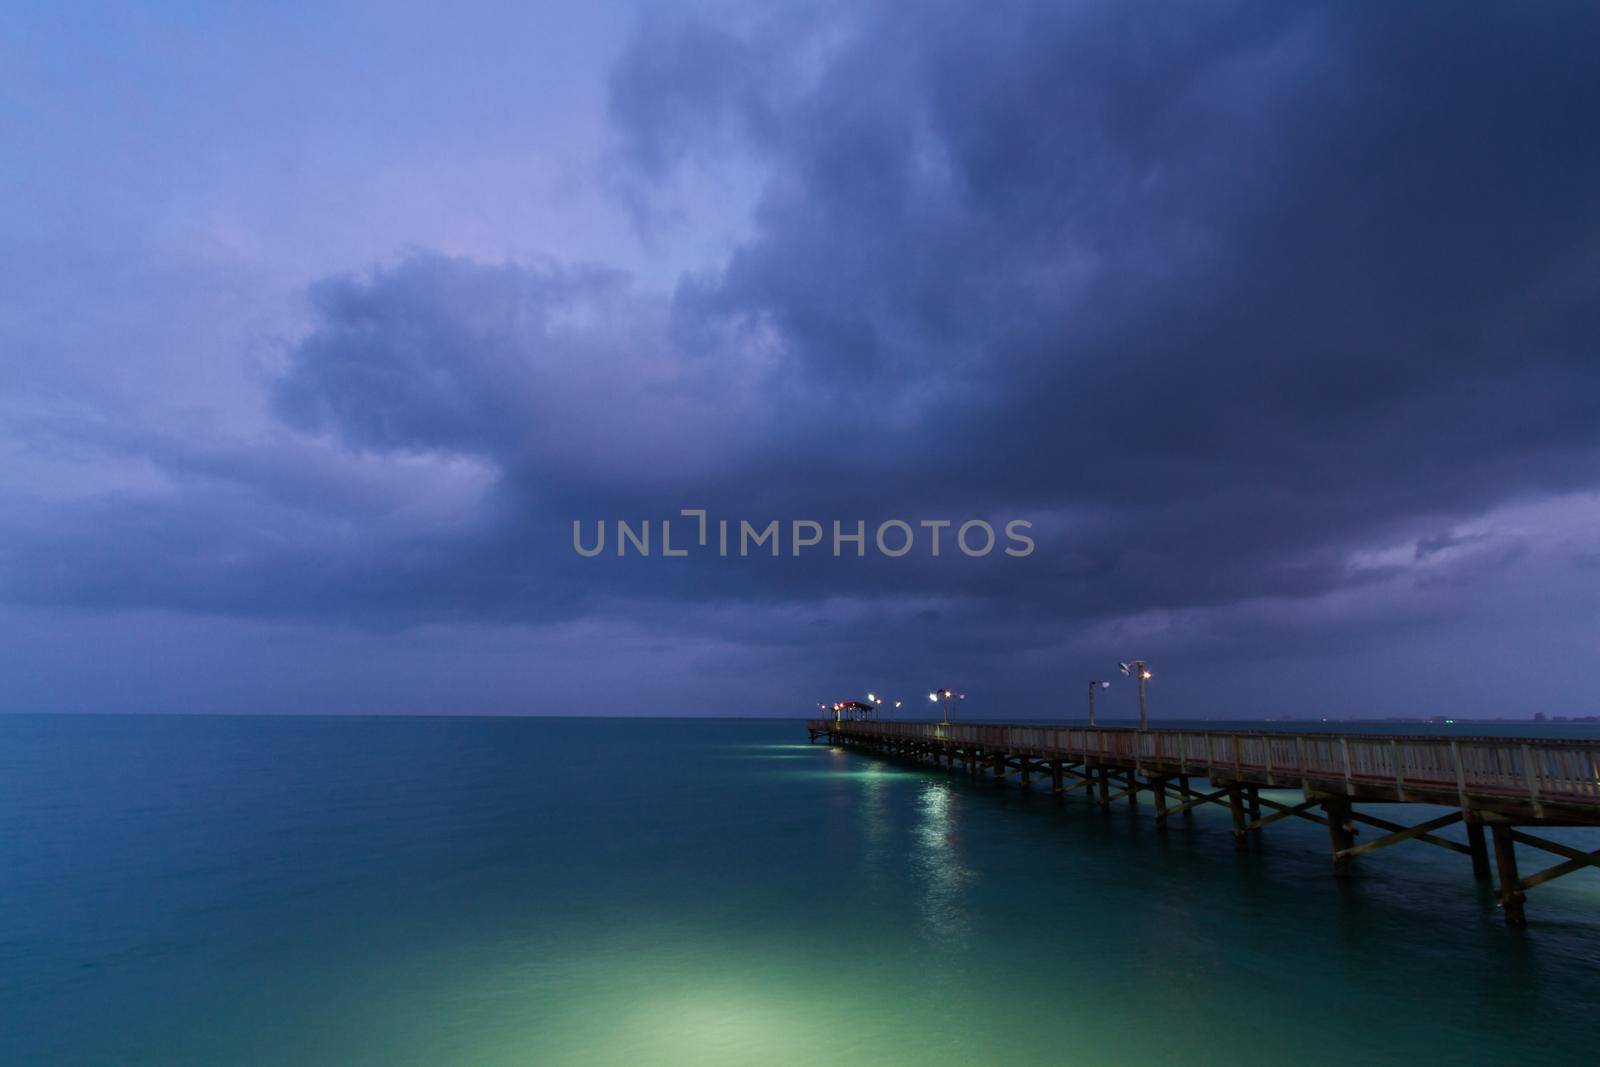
pixel 881 703
pixel 949 696
pixel 1141 672
pixel 1093 685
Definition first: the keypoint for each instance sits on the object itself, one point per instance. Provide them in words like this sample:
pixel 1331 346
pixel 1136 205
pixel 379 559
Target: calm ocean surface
pixel 529 891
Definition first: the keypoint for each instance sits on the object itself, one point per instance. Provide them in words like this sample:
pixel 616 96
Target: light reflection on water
pixel 939 868
pixel 876 833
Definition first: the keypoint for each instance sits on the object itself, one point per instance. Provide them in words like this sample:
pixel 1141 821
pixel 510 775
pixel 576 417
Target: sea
pixel 487 891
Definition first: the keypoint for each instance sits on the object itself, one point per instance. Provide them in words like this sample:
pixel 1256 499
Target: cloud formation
pixel 1230 302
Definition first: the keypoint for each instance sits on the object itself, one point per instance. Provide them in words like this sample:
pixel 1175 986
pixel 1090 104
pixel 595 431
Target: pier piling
pixel 1511 893
pixel 1342 834
pixel 1480 853
pixel 1236 807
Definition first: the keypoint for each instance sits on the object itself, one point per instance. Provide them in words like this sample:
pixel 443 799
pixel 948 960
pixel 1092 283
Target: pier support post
pixel 1236 807
pixel 1511 894
pixel 1253 810
pixel 1025 772
pixel 1133 789
pixel 1341 833
pixel 1475 842
pixel 1158 786
pixel 1183 790
pixel 1000 766
pixel 1055 780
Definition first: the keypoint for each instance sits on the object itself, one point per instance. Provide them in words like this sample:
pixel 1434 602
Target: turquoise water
pixel 526 891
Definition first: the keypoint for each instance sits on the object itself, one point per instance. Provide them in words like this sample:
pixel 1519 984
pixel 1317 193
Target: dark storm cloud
pixel 1217 296
pixel 1264 281
pixel 1239 288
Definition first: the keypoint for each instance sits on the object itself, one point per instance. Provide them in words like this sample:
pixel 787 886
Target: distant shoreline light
pixel 974 538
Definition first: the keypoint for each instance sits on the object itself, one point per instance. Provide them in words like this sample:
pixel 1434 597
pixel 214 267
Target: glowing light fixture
pixel 949 696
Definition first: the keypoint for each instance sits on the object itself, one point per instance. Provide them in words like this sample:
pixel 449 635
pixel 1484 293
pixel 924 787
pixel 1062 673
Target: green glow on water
pixel 515 892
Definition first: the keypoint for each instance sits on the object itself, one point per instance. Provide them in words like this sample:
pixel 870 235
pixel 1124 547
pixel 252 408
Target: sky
pixel 322 324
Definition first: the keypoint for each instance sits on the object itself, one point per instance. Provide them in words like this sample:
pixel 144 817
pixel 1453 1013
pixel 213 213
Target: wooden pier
pixel 1499 784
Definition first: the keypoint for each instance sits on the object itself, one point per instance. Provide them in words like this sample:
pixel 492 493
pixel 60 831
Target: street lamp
pixel 879 702
pixel 947 695
pixel 1141 672
pixel 1093 685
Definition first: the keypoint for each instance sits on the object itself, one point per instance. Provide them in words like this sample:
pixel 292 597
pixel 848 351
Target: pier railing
pixel 1538 770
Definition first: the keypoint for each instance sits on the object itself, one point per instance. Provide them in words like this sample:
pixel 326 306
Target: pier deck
pixel 1498 783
